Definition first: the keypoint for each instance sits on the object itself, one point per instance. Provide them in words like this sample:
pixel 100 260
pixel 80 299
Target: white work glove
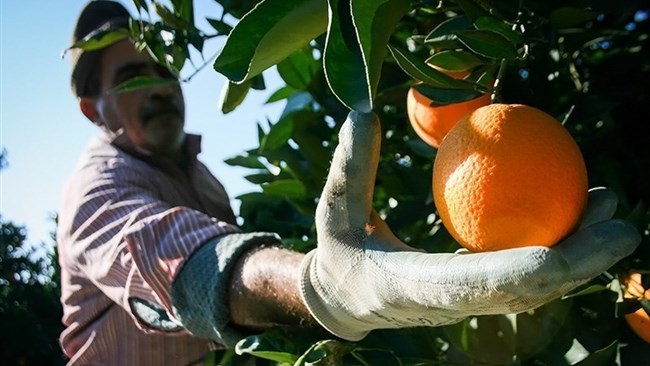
pixel 361 277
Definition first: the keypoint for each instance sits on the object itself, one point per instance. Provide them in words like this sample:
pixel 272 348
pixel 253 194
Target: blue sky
pixel 44 132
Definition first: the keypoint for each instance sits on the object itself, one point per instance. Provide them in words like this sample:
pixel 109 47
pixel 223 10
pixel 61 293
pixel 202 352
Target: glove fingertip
pixel 593 250
pixel 601 205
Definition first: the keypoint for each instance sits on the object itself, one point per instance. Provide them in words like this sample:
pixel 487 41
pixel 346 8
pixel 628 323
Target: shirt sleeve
pixel 200 291
pixel 131 244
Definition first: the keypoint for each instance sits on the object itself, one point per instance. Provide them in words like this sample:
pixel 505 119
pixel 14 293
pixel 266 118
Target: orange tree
pixel 584 62
pixel 30 311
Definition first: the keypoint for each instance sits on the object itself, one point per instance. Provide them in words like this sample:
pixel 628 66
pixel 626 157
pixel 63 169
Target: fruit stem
pixel 496 91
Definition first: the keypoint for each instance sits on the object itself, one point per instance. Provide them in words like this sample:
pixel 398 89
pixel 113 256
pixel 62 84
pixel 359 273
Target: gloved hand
pixel 361 277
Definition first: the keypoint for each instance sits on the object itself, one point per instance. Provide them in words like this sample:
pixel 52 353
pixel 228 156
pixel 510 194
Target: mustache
pixel 159 106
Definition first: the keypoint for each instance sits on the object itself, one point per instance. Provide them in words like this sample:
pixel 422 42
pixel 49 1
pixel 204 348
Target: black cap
pixel 97 14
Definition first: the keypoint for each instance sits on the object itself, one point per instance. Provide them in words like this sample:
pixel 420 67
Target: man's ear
pixel 88 107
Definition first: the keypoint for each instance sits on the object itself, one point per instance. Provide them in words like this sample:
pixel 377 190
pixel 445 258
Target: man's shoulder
pixel 101 155
pixel 101 160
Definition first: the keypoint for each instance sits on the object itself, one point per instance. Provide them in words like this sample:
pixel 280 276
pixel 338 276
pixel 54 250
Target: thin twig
pixel 496 91
pixel 196 71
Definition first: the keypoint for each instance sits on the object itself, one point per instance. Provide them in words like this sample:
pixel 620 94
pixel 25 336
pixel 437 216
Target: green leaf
pixel 299 69
pixel 309 133
pixel 454 60
pixel 210 358
pixel 196 39
pixel 219 25
pixel 290 188
pixel 420 71
pixel 483 75
pixel 179 54
pixel 602 357
pixel 153 41
pixel 373 23
pixel 446 42
pixel 445 29
pixel 446 96
pixel 342 60
pixel 261 347
pixel 141 4
pixel 258 82
pixel 101 38
pixel 168 17
pixel 488 44
pixel 472 10
pixel 278 135
pixel 269 33
pixel 484 20
pixel 142 82
pixel 498 26
pixel 282 93
pixel 246 161
pixel 137 32
pixel 260 178
pixel 232 95
pixel 184 9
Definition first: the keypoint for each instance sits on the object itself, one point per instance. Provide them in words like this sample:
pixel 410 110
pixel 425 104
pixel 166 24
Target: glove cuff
pixel 323 307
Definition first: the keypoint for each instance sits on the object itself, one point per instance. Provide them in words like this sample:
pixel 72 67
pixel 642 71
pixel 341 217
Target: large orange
pixel 432 122
pixel 509 176
pixel 639 321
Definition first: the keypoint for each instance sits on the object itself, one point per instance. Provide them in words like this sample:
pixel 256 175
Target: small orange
pixel 639 321
pixel 432 122
pixel 509 176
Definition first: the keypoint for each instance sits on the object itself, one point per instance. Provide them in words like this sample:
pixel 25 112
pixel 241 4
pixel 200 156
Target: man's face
pixel 152 118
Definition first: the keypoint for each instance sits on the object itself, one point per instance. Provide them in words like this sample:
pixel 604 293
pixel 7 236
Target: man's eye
pixel 128 76
pixel 165 73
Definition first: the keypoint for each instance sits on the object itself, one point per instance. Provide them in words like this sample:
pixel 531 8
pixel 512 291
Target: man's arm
pixel 362 277
pixel 264 290
pixel 238 284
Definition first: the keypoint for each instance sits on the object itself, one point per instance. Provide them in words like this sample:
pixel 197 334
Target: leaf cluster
pixel 30 312
pixel 585 62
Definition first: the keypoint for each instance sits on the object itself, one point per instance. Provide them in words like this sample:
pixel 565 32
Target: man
pixel 155 271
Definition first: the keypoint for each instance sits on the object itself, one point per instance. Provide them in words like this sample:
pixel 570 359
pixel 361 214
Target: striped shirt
pixel 127 224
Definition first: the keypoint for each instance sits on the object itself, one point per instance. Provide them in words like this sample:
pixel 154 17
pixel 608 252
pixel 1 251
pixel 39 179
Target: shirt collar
pixel 191 149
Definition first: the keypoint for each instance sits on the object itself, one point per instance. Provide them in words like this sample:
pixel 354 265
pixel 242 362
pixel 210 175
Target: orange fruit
pixel 432 122
pixel 639 321
pixel 509 176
